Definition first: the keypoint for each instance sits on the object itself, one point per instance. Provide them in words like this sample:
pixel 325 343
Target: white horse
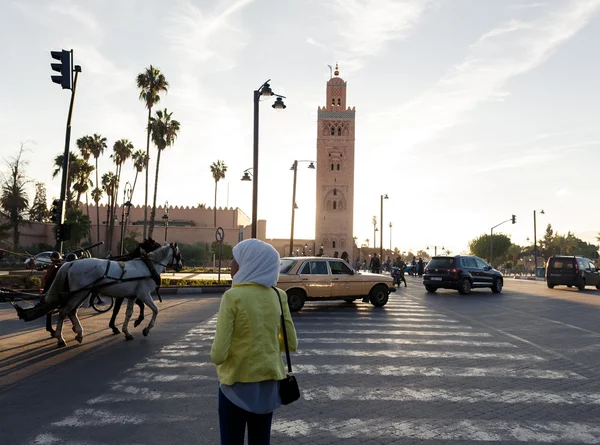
pixel 132 280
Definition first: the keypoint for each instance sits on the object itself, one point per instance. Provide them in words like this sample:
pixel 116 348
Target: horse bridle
pixel 175 259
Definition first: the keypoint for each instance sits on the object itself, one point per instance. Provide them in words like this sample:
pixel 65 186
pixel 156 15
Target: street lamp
pixel 125 216
pixel 390 236
pixel 165 217
pixel 247 175
pixel 311 166
pixel 535 238
pixel 435 249
pixel 263 90
pixel 384 196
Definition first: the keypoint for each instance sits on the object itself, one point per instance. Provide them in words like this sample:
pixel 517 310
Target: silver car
pixel 41 260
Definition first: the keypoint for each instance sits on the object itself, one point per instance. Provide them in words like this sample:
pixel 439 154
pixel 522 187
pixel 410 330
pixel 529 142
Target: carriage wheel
pixel 101 303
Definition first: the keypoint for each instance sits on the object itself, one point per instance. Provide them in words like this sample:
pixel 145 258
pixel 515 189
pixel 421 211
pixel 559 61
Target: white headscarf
pixel 258 261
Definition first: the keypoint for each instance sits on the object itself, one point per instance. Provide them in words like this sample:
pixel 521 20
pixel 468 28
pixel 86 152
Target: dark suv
pixel 572 271
pixel 461 272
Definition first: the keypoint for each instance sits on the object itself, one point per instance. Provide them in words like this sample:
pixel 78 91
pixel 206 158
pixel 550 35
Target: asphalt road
pixel 519 367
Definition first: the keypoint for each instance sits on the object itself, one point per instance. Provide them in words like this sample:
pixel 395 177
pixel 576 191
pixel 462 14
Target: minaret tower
pixel 335 171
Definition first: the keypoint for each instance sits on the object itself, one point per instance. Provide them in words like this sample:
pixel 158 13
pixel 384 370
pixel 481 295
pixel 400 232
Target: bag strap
pixel 285 341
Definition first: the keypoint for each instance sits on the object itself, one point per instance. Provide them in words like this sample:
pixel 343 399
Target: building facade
pixel 335 170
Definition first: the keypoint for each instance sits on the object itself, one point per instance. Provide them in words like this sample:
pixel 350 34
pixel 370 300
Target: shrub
pixel 181 282
pixel 32 282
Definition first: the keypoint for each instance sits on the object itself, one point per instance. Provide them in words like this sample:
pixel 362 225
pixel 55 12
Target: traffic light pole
pixel 65 166
pixel 492 237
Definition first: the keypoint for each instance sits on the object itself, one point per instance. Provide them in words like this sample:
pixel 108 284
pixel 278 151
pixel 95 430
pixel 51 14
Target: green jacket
pixel 248 339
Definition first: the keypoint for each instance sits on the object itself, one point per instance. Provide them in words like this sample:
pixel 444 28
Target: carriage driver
pixel 56 259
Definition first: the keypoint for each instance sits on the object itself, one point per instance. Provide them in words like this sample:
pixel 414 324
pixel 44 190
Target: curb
pixel 187 290
pixel 530 278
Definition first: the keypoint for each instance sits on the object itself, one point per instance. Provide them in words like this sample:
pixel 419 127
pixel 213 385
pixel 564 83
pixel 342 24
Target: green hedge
pixel 193 283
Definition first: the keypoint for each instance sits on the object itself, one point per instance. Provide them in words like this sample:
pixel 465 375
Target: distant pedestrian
pixel 420 267
pixel 375 264
pixel 247 345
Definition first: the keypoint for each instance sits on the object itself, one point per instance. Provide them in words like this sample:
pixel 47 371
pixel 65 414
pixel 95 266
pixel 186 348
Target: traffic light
pixel 63 232
pixel 56 211
pixel 514 219
pixel 65 68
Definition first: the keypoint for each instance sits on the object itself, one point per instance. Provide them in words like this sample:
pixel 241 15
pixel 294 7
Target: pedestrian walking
pixel 248 344
pixel 375 264
pixel 420 267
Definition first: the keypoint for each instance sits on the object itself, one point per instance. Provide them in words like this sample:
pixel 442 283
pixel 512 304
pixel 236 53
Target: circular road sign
pixel 220 235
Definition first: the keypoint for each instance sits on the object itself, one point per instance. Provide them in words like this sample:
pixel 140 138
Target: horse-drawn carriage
pixel 134 278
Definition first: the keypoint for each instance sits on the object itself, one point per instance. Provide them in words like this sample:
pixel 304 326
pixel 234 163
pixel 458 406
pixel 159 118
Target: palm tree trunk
pixel 153 214
pixel 113 206
pixel 87 206
pixel 147 157
pixel 215 208
pixel 134 182
pixel 97 208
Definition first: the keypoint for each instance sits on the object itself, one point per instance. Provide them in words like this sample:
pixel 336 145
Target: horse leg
pixel 49 325
pixel 141 316
pixel 128 314
pixel 150 303
pixel 77 328
pixel 59 326
pixel 116 309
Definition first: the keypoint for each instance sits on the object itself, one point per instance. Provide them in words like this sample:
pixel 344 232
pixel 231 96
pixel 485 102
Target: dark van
pixel 572 271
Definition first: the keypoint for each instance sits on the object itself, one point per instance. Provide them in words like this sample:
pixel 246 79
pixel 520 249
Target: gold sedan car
pixel 320 278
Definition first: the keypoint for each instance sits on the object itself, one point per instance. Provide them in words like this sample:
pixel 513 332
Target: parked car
pixel 40 261
pixel 462 273
pixel 319 278
pixel 572 271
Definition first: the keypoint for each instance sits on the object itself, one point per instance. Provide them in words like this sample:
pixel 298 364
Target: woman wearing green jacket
pixel 248 344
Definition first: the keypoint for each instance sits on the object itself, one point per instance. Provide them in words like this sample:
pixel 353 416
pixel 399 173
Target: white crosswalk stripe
pixel 377 354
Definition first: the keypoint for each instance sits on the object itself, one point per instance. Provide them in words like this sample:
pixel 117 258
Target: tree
pixel 481 246
pixel 139 163
pixel 122 150
pixel 97 145
pixel 109 182
pixel 151 83
pixel 218 170
pixel 164 132
pixel 13 197
pixel 39 209
pixel 82 180
pixel 80 226
pixel 75 166
pixel 226 253
pixel 422 254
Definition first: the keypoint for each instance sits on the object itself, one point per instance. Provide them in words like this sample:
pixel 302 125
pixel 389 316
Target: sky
pixel 467 111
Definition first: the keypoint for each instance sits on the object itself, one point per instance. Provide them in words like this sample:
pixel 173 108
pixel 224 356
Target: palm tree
pixel 84 144
pixel 164 132
pixel 151 83
pixel 75 166
pixel 121 152
pixel 218 170
pixel 139 163
pixel 13 197
pixel 82 179
pixel 97 145
pixel 109 183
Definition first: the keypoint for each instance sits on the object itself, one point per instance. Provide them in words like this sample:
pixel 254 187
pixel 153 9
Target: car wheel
pixel 497 287
pixel 598 286
pixel 295 299
pixel 430 289
pixel 581 285
pixel 465 287
pixel 551 286
pixel 379 295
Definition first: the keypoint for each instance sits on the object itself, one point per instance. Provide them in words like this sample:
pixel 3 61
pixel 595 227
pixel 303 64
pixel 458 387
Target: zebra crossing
pixel 401 374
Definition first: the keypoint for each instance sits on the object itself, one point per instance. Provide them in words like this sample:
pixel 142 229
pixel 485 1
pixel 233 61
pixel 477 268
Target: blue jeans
pixel 233 421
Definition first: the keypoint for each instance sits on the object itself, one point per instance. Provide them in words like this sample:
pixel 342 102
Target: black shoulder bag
pixel 288 387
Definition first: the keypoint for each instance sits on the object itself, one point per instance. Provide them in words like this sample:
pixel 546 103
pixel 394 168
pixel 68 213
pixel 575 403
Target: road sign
pixel 220 235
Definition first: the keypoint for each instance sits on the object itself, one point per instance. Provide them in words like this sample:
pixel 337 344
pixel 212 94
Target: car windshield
pixel 286 265
pixel 441 263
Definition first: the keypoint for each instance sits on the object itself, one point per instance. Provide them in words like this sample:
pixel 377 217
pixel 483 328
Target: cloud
pixel 528 5
pixel 312 41
pixel 77 13
pixel 561 193
pixel 366 26
pixel 498 56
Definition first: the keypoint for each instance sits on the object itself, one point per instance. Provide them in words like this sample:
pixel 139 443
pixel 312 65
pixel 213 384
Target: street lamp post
pixel 125 216
pixel 263 90
pixel 294 206
pixel 384 196
pixel 165 217
pixel 435 249
pixel 535 238
pixel 390 236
